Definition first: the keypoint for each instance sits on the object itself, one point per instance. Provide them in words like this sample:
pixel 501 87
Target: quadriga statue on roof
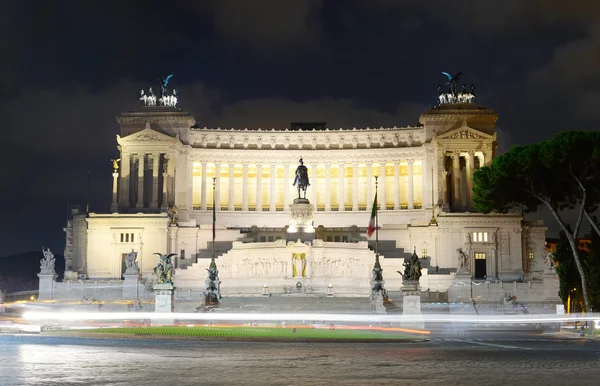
pixel 164 269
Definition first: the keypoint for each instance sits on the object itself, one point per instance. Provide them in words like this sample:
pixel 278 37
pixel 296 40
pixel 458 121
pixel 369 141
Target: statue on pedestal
pixel 412 268
pixel 115 164
pixel 164 269
pixel 47 263
pixel 301 179
pixel 130 262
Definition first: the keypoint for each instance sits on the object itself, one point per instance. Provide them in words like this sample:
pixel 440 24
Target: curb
pixel 108 335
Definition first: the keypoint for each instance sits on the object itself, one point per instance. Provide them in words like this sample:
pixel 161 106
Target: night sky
pixel 68 68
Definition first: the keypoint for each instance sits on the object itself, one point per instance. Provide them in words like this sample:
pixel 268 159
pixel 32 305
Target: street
pixel 493 358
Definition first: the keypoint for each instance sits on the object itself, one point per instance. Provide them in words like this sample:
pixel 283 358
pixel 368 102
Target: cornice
pixel 313 139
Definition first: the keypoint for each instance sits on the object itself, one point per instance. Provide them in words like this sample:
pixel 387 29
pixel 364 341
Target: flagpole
pixel 214 220
pixel 376 225
pixel 433 220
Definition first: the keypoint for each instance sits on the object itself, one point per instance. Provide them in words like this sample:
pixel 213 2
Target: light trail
pixel 278 317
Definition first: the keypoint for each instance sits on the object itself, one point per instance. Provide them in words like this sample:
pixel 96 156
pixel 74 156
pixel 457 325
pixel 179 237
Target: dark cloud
pixel 70 67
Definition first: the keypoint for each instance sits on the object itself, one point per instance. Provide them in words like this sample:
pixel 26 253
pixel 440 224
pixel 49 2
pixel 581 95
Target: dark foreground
pixel 500 358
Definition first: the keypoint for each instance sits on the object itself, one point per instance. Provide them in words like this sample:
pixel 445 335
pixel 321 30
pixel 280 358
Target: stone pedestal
pixel 301 221
pixel 551 285
pixel 411 307
pixel 410 287
pixel 164 298
pixel 47 281
pixel 460 289
pixel 130 289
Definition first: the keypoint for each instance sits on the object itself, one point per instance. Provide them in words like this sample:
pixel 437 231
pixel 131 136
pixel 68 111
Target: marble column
pixel 155 166
pixel 272 188
pixel 140 181
pixel 286 186
pixel 411 185
pixel 369 185
pixel 470 158
pixel 258 186
pixel 382 180
pixel 125 177
pixel 445 198
pixel 245 186
pixel 113 206
pixel 397 185
pixel 341 198
pixel 231 187
pixel 327 186
pixel 165 200
pixel 355 186
pixel 218 185
pixel 456 179
pixel 203 181
pixel 313 186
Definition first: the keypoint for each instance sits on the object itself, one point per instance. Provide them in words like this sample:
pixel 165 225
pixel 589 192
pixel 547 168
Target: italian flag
pixel 373 216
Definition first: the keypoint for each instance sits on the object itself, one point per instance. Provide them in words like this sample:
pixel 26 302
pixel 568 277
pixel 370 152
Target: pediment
pixel 466 132
pixel 146 135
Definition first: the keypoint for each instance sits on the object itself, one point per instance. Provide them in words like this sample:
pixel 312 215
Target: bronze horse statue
pixel 301 180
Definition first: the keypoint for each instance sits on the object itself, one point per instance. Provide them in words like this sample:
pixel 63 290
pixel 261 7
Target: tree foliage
pixel 556 174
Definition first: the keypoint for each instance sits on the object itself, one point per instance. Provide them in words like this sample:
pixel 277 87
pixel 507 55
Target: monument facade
pixel 280 221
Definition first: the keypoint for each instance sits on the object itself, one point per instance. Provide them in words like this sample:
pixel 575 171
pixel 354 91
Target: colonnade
pixel 459 190
pixel 335 186
pixel 134 192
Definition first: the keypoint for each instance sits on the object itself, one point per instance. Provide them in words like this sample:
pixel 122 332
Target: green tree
pixel 592 269
pixel 555 174
pixel 570 282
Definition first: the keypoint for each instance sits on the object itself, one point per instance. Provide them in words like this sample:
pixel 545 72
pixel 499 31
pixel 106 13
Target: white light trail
pixel 278 317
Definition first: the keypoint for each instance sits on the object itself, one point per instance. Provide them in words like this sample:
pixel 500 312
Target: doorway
pixel 480 265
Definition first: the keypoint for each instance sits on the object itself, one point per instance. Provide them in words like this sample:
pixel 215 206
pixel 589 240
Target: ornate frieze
pixel 327 139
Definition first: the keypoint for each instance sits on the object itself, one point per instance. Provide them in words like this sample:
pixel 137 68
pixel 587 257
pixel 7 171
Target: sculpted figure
pixel 47 263
pixel 463 260
pixel 301 179
pixel 164 269
pixel 549 261
pixel 116 164
pixel 412 268
pixel 130 260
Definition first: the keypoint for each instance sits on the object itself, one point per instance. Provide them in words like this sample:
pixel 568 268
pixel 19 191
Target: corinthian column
pixel 327 186
pixel 272 188
pixel 155 161
pixel 258 186
pixel 369 185
pixel 140 182
pixel 341 198
pixel 165 200
pixel 445 197
pixel 396 185
pixel 313 185
pixel 286 185
pixel 355 186
pixel 203 181
pixel 113 206
pixel 245 185
pixel 456 179
pixel 470 167
pixel 382 205
pixel 125 177
pixel 231 186
pixel 411 185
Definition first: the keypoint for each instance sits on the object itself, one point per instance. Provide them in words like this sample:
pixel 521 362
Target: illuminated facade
pixel 163 200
